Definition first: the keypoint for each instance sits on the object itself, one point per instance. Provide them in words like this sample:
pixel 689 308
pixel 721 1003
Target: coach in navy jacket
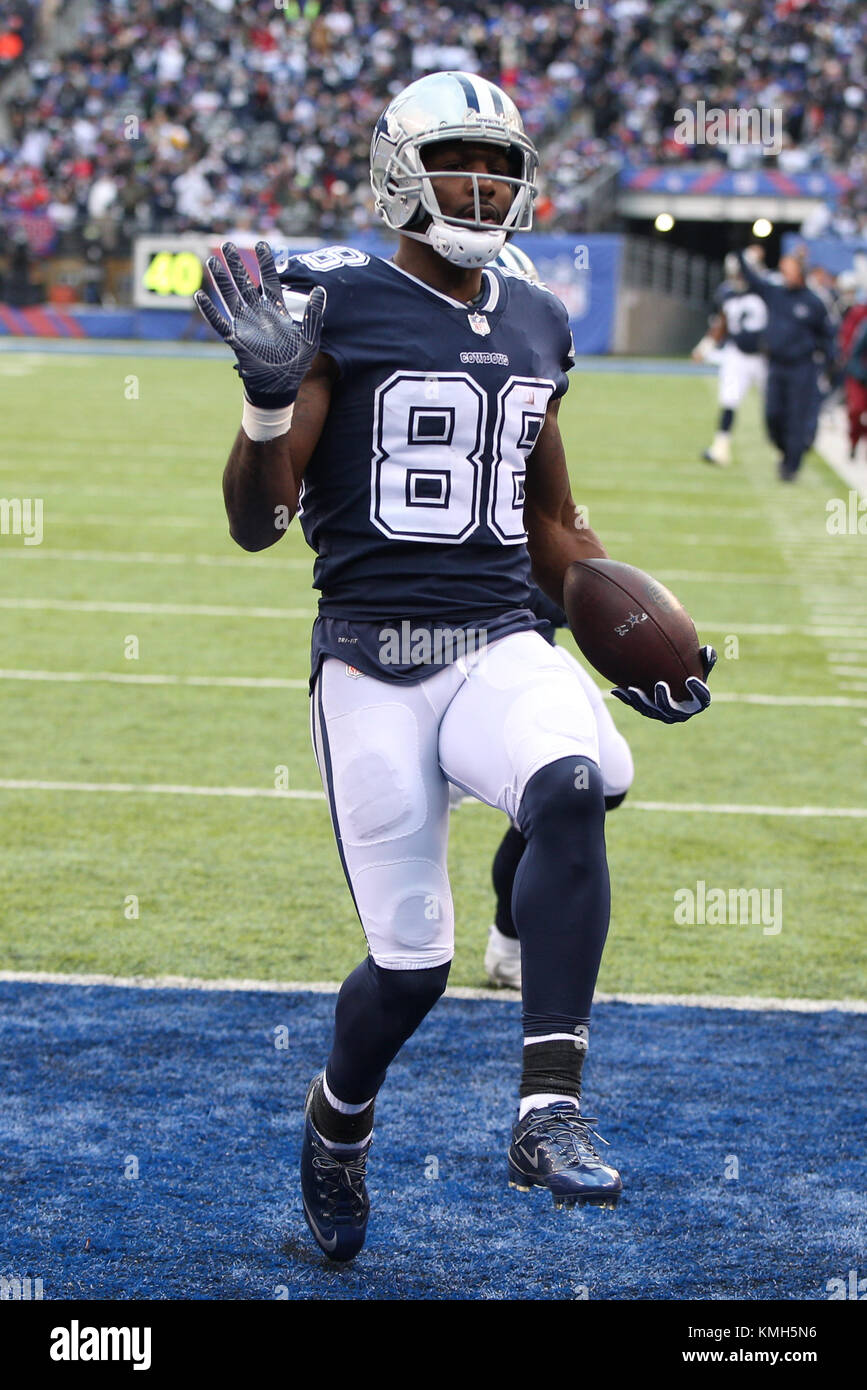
pixel 800 341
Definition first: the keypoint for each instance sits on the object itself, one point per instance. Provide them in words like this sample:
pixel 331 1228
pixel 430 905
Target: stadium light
pixel 664 222
pixel 762 227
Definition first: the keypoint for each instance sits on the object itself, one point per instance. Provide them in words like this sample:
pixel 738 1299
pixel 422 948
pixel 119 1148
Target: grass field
pixel 136 546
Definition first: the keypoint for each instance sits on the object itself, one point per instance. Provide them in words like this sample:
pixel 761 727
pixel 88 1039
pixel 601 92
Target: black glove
pixel 273 352
pixel 662 706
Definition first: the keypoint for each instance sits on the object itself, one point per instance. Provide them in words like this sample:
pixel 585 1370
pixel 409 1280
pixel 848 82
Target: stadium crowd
pixel 169 115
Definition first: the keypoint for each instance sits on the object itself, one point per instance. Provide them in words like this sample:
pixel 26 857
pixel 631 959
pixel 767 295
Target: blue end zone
pixel 192 1086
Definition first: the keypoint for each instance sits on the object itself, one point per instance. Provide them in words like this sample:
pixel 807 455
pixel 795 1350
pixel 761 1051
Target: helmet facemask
pixel 464 241
pixel 443 108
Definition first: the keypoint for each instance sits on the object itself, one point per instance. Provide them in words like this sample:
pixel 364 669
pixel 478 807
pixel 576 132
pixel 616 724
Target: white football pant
pixel 738 371
pixel 387 752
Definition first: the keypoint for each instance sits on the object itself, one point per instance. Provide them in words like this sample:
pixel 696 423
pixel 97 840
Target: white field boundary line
pixel 841 628
pixel 291 794
pixel 759 1003
pixel 724 697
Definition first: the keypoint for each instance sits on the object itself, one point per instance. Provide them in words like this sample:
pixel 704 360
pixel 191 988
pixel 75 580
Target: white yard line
pixel 730 697
pixel 149 557
pixel 838 630
pixel 724 697
pixel 215 524
pixel 170 789
pixel 112 678
pixel 732 809
pixel 842 630
pixel 146 557
pixel 157 788
pixel 172 610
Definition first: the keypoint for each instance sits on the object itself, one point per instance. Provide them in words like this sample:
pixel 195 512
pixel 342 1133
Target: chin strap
pixel 462 246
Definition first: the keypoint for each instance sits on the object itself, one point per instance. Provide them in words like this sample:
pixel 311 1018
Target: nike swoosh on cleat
pixel 532 1158
pixel 327 1245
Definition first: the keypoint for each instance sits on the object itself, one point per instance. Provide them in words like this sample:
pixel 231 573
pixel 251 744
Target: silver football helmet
pixel 449 106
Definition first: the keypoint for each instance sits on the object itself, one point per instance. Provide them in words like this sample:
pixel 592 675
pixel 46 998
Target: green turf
pixel 251 887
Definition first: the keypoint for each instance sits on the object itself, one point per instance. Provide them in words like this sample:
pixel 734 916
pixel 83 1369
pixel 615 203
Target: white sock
pixel 342 1105
pixel 344 1148
pixel 538 1102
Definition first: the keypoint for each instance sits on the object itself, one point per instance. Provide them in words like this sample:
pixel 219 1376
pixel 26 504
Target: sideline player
pixel 422 419
pixel 735 342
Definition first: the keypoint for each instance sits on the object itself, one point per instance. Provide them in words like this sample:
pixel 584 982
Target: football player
pixel 419 410
pixel 734 341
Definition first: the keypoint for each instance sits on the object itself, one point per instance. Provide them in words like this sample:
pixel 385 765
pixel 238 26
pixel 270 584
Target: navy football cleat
pixel 551 1147
pixel 333 1192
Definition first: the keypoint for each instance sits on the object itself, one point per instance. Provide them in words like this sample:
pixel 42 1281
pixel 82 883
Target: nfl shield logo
pixel 479 324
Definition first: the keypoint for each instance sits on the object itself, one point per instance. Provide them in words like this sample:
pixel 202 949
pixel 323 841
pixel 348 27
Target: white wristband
pixel 260 423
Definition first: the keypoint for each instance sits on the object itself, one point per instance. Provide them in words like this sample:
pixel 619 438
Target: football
pixel 630 627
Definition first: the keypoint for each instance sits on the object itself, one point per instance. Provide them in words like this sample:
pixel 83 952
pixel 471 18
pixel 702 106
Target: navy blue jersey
pixel 745 315
pixel 413 498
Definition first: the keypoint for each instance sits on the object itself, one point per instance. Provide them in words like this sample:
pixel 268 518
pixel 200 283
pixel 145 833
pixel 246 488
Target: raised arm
pixel 758 283
pixel 287 393
pixel 557 535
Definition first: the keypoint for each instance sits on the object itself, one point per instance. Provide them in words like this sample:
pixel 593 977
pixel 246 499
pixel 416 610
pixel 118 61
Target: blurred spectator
pixel 17 27
pixel 170 115
pixel 853 352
